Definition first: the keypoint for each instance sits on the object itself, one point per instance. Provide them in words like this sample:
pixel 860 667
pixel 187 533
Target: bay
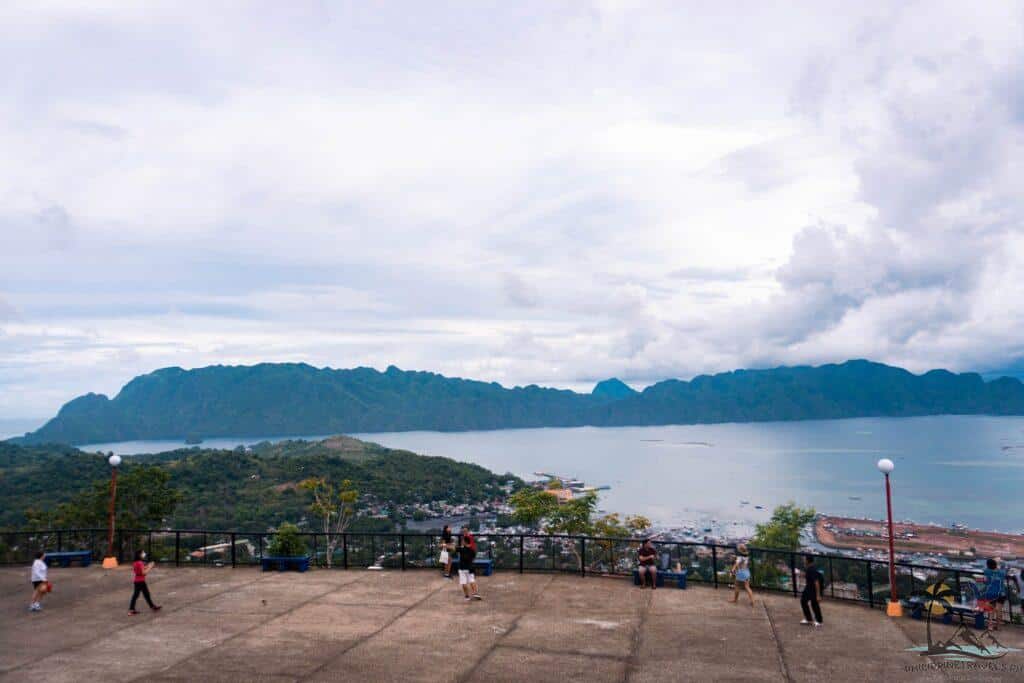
pixel 967 469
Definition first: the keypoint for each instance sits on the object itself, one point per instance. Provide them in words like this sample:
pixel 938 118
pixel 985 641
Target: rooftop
pixel 327 625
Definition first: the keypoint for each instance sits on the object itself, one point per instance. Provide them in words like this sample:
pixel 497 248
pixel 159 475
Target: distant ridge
pixel 297 399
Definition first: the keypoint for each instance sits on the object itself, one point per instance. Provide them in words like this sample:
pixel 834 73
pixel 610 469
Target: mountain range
pixel 282 399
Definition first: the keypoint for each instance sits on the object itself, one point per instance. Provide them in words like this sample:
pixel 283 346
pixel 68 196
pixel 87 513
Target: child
pixel 741 570
pixel 140 569
pixel 38 582
pixel 467 553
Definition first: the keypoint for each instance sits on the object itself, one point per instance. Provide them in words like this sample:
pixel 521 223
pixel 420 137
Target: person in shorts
pixel 467 553
pixel 447 548
pixel 39 582
pixel 646 561
pixel 741 571
pixel 994 596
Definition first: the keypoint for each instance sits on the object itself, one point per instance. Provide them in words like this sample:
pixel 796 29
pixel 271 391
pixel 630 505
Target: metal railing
pixel 847 578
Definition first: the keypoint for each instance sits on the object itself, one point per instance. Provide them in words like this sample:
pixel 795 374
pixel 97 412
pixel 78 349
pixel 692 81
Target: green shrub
pixel 287 542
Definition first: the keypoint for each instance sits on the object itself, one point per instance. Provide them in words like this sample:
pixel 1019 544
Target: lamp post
pixel 110 561
pixel 893 609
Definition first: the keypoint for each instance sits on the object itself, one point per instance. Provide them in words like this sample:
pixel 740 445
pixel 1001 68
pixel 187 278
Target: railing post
pixel 583 556
pixel 792 571
pixel 714 563
pixel 871 587
pixel 831 578
pixel 315 563
pixel 959 588
pixel 233 563
pixel 60 541
pixel 177 548
pixel 402 548
pixel 344 550
pixel 521 550
pixel 149 544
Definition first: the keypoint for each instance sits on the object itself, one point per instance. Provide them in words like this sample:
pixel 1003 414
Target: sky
pixel 548 192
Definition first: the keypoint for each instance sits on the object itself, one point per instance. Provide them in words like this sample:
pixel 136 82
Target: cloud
pixel 524 194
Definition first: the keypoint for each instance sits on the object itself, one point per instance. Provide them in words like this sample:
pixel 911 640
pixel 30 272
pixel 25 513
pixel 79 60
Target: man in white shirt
pixel 38 582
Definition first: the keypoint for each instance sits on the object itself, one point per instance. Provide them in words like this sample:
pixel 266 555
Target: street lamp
pixel 110 561
pixel 893 609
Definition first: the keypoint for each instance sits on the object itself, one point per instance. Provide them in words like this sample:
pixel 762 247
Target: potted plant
pixel 287 550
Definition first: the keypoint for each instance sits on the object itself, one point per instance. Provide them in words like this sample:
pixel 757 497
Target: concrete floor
pixel 242 625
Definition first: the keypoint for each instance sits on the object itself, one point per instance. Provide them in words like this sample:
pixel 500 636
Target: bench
pixel 65 557
pixel 678 577
pixel 299 563
pixel 917 609
pixel 483 567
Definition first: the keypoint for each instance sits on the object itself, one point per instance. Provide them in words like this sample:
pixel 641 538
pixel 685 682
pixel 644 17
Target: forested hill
pixel 298 399
pixel 243 488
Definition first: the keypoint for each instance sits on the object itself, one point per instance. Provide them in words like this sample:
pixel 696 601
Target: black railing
pixel 848 578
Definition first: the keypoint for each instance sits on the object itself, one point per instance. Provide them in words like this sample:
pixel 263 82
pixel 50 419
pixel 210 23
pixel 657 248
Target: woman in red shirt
pixel 140 569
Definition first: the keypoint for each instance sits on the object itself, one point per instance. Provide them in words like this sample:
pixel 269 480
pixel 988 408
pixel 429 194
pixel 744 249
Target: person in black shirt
pixel 646 563
pixel 467 553
pixel 447 548
pixel 814 590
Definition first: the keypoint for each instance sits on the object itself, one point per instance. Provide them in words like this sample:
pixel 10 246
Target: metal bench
pixel 485 567
pixel 678 577
pixel 299 563
pixel 65 557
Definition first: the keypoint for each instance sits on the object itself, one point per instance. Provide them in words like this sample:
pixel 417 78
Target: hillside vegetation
pixel 244 488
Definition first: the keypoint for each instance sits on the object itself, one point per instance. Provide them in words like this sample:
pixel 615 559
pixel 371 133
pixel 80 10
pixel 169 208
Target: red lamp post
pixel 110 561
pixel 893 609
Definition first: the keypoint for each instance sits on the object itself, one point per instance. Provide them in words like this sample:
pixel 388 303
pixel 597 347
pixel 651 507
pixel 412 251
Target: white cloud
pixel 525 193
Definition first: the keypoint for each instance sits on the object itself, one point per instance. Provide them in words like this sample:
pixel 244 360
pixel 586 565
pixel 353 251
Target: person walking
pixel 814 591
pixel 140 569
pixel 447 548
pixel 741 572
pixel 467 579
pixel 646 563
pixel 39 582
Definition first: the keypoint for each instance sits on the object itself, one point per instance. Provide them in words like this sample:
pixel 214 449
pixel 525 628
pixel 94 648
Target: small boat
pixel 854 497
pixel 744 502
pixel 759 507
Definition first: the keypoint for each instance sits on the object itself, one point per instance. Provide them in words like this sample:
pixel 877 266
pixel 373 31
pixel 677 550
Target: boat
pixel 744 502
pixel 854 497
pixel 759 507
pixel 193 441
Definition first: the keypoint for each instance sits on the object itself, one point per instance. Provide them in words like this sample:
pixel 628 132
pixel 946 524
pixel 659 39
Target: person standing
pixel 994 596
pixel 447 548
pixel 39 582
pixel 467 579
pixel 645 561
pixel 140 569
pixel 814 591
pixel 741 572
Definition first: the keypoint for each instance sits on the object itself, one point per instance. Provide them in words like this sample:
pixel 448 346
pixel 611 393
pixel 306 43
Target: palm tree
pixel 938 594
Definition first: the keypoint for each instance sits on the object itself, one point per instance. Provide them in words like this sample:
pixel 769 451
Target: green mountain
pixel 245 488
pixel 298 399
pixel 613 388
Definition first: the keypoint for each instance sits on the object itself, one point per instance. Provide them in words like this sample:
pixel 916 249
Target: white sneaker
pixel 804 621
pixel 817 623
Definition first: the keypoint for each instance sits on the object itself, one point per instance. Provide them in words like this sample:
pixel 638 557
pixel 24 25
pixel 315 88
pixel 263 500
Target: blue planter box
pixel 299 563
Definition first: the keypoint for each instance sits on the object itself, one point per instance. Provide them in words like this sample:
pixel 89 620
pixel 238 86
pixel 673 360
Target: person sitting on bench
pixel 646 560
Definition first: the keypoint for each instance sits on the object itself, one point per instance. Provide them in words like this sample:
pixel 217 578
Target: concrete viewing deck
pixel 359 625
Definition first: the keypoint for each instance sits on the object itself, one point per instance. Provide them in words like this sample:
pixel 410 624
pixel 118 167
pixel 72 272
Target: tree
pixel 144 500
pixel 287 542
pixel 782 531
pixel 335 506
pixel 573 517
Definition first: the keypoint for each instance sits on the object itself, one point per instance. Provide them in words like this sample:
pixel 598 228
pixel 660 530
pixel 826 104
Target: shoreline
pixel 848 533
